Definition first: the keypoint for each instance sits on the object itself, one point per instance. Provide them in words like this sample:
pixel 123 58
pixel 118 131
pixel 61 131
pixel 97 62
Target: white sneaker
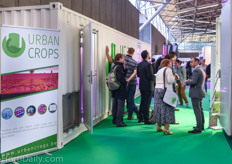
pixel 187 105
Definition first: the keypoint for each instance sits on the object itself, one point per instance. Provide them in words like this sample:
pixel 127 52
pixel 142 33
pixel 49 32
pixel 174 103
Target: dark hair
pixel 118 57
pixel 152 60
pixel 168 57
pixel 144 54
pixel 165 63
pixel 172 54
pixel 178 61
pixel 196 60
pixel 131 50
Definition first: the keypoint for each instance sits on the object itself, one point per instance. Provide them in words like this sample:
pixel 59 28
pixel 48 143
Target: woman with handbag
pixel 164 113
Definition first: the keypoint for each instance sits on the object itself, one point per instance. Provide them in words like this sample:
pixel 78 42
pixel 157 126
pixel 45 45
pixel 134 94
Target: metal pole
pixel 154 15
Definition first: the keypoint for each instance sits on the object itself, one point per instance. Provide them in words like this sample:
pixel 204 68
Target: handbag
pixel 169 97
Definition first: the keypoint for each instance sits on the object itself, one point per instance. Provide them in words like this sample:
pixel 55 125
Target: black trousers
pixel 145 105
pixel 198 111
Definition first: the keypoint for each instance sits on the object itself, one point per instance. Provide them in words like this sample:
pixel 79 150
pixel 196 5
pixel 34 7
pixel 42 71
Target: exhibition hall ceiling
pixel 189 20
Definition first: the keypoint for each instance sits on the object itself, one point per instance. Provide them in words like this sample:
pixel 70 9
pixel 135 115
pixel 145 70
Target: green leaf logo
pixel 173 100
pixel 14 46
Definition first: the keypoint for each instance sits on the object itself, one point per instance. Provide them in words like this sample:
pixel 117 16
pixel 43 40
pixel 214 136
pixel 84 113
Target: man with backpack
pixel 119 95
pixel 131 67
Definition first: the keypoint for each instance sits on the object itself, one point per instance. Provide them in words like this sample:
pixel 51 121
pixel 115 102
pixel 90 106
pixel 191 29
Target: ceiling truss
pixel 192 20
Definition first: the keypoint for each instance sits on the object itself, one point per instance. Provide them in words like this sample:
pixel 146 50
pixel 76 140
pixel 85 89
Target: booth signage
pixel 29 90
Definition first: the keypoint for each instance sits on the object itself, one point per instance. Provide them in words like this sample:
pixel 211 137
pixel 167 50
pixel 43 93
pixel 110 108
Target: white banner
pixel 29 90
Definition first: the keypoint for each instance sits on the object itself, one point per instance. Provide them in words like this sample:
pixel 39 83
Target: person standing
pixel 208 71
pixel 163 113
pixel 172 56
pixel 203 67
pixel 196 94
pixel 131 67
pixel 146 86
pixel 153 65
pixel 189 68
pixel 119 95
pixel 181 72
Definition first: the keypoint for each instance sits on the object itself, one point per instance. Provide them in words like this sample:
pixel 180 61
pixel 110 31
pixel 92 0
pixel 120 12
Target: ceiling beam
pixel 154 15
pixel 151 7
pixel 185 37
pixel 198 7
pixel 212 15
pixel 191 20
pixel 197 28
pixel 195 11
pixel 200 13
pixel 182 2
pixel 153 1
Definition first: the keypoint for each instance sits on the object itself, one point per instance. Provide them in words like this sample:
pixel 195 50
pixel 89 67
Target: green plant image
pixel 216 107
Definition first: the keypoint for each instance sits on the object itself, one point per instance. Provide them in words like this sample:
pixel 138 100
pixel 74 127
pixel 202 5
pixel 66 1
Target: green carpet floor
pixel 141 144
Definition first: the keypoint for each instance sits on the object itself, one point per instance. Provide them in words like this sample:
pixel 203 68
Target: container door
pixel 88 74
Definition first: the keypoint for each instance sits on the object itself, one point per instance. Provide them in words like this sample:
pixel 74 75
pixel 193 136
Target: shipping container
pixel 82 46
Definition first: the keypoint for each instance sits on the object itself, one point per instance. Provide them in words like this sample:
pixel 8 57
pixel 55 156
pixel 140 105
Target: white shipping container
pixel 70 23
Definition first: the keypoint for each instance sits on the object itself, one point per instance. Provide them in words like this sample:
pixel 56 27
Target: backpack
pixel 111 80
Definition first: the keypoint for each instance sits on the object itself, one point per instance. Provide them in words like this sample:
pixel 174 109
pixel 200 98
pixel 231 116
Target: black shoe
pixel 196 127
pixel 139 121
pixel 114 122
pixel 149 123
pixel 121 125
pixel 195 131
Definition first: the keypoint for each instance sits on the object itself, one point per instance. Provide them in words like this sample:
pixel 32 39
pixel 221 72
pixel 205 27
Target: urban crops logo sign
pixel 33 45
pixel 14 45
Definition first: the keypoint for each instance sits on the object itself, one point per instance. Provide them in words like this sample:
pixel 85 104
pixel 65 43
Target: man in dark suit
pixel 197 94
pixel 146 86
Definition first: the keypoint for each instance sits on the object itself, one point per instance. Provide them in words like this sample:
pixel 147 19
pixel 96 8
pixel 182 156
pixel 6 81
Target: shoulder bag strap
pixel 164 77
pixel 115 67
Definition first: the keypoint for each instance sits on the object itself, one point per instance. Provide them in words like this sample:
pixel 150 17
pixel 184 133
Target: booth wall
pixel 218 51
pixel 55 16
pixel 207 52
pixel 226 70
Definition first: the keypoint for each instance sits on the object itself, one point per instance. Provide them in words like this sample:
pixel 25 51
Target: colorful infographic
pixel 29 90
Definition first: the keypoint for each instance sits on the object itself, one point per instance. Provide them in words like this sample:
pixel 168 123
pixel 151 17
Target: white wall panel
pixel 226 53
